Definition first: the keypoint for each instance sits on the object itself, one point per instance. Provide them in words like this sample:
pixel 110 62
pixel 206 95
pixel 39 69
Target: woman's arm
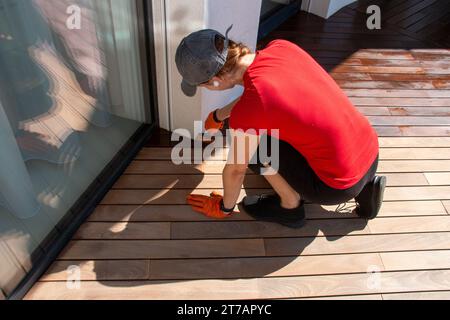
pixel 224 113
pixel 233 178
pixel 242 149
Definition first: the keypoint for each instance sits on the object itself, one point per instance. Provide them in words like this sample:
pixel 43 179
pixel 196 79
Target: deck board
pixel 143 242
pixel 177 213
pixel 256 288
pixel 167 269
pixel 432 295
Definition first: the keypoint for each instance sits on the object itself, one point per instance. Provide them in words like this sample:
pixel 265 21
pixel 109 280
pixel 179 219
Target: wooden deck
pixel 144 242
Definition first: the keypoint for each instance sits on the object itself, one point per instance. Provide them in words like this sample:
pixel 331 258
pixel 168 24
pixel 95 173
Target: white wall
pixel 324 8
pixel 244 16
pixel 175 19
pixel 182 17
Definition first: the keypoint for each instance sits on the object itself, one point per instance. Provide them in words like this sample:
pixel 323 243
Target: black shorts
pixel 294 168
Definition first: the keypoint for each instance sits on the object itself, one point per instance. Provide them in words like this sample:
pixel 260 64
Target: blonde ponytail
pixel 235 52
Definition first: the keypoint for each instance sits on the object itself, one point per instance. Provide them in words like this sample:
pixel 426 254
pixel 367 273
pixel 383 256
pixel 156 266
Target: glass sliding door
pixel 71 95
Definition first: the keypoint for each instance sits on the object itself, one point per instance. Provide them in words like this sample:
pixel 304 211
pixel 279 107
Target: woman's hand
pixel 207 205
pixel 212 122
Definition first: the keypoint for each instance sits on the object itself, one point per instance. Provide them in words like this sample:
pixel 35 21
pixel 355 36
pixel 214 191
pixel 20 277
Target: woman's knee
pixel 256 168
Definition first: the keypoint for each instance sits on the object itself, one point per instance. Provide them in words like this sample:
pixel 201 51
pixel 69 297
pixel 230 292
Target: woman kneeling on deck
pixel 328 151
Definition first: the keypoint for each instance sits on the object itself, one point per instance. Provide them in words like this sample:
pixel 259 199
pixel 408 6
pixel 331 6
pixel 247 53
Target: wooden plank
pixel 166 167
pixel 447 206
pixel 397 54
pixel 402 102
pixel 121 230
pixel 394 77
pixel 145 290
pixel 418 131
pixel 174 213
pixel 435 31
pixel 345 46
pixel 183 182
pixel 258 229
pixel 438 178
pixel 338 41
pixel 164 196
pixel 373 69
pixel 381 63
pixel 391 93
pixel 411 208
pixel 216 167
pixel 214 181
pixel 413 111
pixel 168 249
pixel 418 85
pixel 396 11
pixel 261 288
pixel 413 193
pixel 323 227
pixel 356 76
pixel 167 196
pixel 408 121
pixel 428 17
pixel 415 153
pixel 422 54
pixel 150 213
pixel 160 249
pixel 425 17
pixel 432 295
pixel 374 111
pixel 410 224
pixel 395 166
pixel 385 153
pixel 99 270
pixel 436 259
pixel 166 154
pixel 445 63
pixel 261 267
pixel 357 244
pixel 411 142
pixel 411 10
pixel 335 39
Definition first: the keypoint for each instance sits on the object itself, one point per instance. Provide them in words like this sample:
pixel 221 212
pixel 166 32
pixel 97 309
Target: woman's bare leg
pixel 290 198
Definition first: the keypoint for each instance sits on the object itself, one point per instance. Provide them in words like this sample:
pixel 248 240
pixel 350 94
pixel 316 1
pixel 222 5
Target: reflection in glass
pixel 69 99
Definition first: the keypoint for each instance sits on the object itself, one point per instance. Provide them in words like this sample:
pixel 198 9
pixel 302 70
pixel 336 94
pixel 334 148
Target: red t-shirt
pixel 286 89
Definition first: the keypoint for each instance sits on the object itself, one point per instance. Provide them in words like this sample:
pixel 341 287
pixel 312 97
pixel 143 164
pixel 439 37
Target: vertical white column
pixel 244 16
pixel 175 19
pixel 182 18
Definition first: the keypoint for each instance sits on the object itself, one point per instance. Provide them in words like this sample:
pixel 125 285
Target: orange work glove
pixel 212 122
pixel 207 205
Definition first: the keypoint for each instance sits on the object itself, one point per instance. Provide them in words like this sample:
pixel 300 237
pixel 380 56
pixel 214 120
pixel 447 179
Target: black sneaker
pixel 370 198
pixel 266 207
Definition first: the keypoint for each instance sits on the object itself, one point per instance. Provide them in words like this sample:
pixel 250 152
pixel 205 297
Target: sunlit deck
pixel 144 242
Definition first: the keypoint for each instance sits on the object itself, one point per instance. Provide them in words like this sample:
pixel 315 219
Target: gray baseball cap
pixel 198 60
